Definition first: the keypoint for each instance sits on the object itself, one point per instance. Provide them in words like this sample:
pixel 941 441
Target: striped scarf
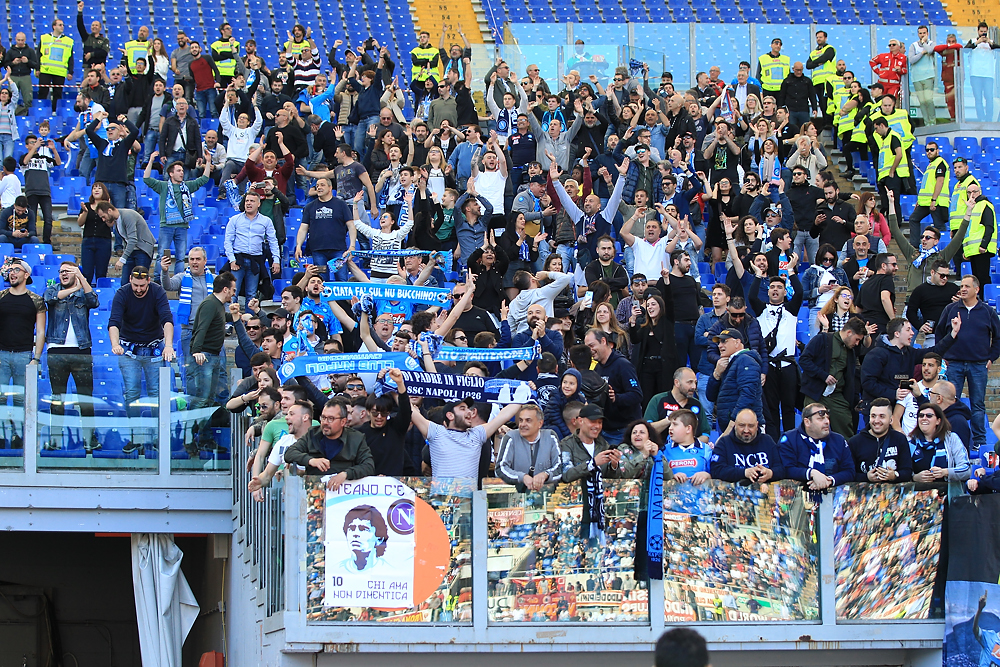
pixel 184 296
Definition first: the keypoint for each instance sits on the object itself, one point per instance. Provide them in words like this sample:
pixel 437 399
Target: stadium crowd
pixel 696 279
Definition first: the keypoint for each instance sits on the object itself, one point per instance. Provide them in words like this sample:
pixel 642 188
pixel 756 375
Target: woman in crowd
pixel 837 310
pixel 722 199
pixel 868 206
pixel 820 281
pixel 521 251
pixel 654 353
pixel 938 454
pixel 490 268
pixel 567 297
pixel 159 59
pixel 641 443
pixel 266 377
pixel 95 250
pixel 389 235
pixel 604 319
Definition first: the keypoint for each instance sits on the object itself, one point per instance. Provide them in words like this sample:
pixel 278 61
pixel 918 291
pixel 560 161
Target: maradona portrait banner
pixel 370 541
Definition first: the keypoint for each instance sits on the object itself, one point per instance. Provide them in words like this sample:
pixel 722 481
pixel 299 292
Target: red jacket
pixel 256 173
pixel 885 67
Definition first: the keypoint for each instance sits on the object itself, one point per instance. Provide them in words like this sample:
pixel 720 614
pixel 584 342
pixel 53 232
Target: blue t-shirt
pixel 331 447
pixel 400 311
pixel 323 309
pixel 687 460
pixel 990 641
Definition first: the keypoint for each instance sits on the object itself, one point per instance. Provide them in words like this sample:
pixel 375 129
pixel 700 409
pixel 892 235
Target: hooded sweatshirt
pixel 621 376
pixel 887 364
pixel 557 400
pixel 739 388
pixel 732 456
pixel 891 451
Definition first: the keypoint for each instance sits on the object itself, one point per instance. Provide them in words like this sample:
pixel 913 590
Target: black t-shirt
pixel 870 298
pixel 18 312
pixel 685 291
pixel 93 226
pixel 36 172
pixel 475 320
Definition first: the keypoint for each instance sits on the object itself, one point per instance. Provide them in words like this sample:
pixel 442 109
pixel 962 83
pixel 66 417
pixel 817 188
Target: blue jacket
pixel 810 281
pixel 470 236
pixel 887 364
pixel 682 199
pixel 75 307
pixel 369 99
pixel 979 338
pixel 752 338
pixel 553 408
pixel 621 376
pixel 704 325
pixel 552 342
pixel 787 216
pixel 632 178
pixel 461 161
pixel 796 451
pixel 732 456
pixel 739 388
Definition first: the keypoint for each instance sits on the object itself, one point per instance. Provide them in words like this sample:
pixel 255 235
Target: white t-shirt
pixel 650 258
pixel 455 453
pixel 909 419
pixel 491 185
pixel 277 455
pixel 10 189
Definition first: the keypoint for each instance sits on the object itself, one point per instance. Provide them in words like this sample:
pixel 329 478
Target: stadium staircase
pixel 971 12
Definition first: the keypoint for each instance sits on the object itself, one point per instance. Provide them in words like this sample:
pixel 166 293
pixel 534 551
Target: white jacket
pixel 240 141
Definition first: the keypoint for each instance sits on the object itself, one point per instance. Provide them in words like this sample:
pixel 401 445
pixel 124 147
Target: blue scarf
pixel 447 387
pixel 359 362
pixel 437 296
pixel 184 296
pixel 487 355
pixel 654 519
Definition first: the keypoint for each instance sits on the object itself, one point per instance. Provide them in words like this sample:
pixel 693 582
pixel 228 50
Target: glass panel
pixel 738 554
pixel 597 59
pixel 853 44
pixel 539 33
pixel 662 39
pixel 722 45
pixel 199 422
pixel 547 57
pixel 979 87
pixel 885 534
pixel 12 424
pixel 94 427
pixel 542 569
pixel 945 63
pixel 443 544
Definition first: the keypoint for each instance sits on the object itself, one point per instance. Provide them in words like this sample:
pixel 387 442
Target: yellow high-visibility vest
pixel 926 192
pixel 827 70
pixel 226 67
pixel 960 200
pixel 56 54
pixel 886 156
pixel 773 71
pixel 970 246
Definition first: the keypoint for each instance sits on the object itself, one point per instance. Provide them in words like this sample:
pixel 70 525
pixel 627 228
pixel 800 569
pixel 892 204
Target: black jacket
pixel 354 458
pixel 192 137
pixel 887 364
pixel 797 93
pixel 618 280
pixel 112 168
pixel 294 138
pixel 803 200
pixel 325 142
pixel 21 69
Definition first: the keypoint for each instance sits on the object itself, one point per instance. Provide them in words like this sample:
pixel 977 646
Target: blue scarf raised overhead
pixel 654 519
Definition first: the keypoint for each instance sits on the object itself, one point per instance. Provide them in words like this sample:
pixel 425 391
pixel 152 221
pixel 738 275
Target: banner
pixel 870 564
pixel 370 544
pixel 489 354
pixel 447 387
pixel 972 594
pixel 359 362
pixel 437 296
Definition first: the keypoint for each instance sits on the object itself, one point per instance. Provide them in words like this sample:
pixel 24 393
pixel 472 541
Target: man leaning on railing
pixel 333 448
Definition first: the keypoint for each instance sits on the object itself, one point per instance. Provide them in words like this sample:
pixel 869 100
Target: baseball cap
pixel 537 179
pixel 468 400
pixel 774 208
pixel 641 147
pixel 687 135
pixel 591 411
pixel 24 266
pixel 727 334
pixel 282 313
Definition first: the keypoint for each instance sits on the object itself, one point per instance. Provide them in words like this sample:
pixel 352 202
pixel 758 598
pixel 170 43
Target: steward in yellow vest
pixel 932 198
pixel 55 63
pixel 772 68
pixel 225 51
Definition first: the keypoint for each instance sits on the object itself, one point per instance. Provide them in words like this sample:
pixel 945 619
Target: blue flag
pixel 360 362
pixel 654 520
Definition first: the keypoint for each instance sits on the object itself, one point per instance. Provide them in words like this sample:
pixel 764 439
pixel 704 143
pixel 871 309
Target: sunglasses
pixel 381 413
pixel 818 413
pixel 252 327
pixel 462 338
pixel 926 415
pixel 355 387
pixel 640 282
pixel 737 316
pixel 926 237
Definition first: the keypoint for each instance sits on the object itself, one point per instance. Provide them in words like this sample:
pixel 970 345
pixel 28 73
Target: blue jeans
pixel 567 254
pixel 614 437
pixel 982 90
pixel 202 380
pixel 95 253
pixel 252 279
pixel 813 322
pixel 706 404
pixel 119 194
pixel 975 373
pixel 205 100
pixel 177 237
pixel 361 133
pixel 6 146
pixel 133 371
pixel 684 341
pixel 806 246
pixel 629 256
pixel 87 163
pixel 12 372
pixel 137 258
pixel 350 132
pixel 321 257
pixel 149 145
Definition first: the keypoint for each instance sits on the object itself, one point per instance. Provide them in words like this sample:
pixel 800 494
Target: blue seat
pixel 38 248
